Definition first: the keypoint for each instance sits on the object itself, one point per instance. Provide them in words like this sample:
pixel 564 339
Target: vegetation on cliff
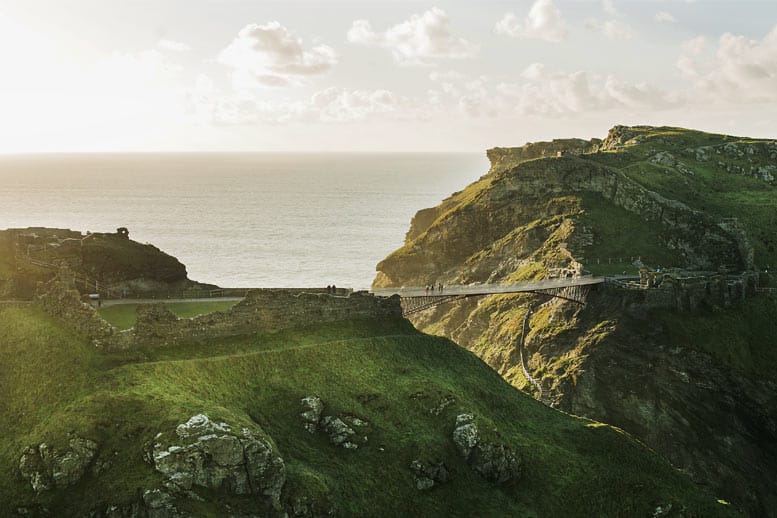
pixel 101 262
pixel 698 386
pixel 400 389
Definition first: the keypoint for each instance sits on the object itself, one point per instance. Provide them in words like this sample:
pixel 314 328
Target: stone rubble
pixel 428 476
pixel 495 462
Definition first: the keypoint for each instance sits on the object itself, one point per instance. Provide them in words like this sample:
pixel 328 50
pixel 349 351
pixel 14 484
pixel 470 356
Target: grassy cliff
pixel 109 263
pixel 406 388
pixel 697 385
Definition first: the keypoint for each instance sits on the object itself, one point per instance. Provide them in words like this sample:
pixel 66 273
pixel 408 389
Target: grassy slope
pixel 742 337
pixel 122 316
pixel 53 382
pixel 619 236
pixel 711 188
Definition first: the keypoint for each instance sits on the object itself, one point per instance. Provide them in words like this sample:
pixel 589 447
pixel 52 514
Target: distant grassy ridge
pixel 122 316
pixel 385 372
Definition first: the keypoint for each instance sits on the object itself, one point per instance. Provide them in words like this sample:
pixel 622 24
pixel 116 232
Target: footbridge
pixel 416 299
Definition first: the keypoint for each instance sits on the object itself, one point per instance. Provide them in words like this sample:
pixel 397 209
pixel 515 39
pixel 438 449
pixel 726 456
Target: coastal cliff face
pixel 687 368
pixel 98 262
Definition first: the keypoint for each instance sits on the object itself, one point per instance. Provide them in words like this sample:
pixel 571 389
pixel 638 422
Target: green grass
pixel 742 337
pixel 122 316
pixel 619 236
pixel 54 381
pixel 711 189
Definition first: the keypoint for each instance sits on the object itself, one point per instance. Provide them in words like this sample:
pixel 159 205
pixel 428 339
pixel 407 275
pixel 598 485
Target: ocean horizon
pixel 241 219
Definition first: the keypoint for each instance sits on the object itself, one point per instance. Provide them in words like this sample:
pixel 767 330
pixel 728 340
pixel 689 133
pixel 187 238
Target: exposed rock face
pixel 534 216
pixel 46 468
pixel 494 462
pixel 339 429
pixel 505 214
pixel 503 158
pixel 340 434
pixel 210 455
pixel 427 476
pixel 312 406
pixel 705 418
pixel 111 260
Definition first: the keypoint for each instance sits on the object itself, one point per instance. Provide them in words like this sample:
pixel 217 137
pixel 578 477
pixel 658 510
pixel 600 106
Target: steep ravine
pixel 688 369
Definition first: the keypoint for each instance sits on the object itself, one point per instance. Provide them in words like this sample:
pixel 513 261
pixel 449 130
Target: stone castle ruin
pixel 261 311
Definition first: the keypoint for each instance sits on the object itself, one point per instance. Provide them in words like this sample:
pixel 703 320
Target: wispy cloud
pixel 271 55
pixel 665 17
pixel 544 22
pixel 418 40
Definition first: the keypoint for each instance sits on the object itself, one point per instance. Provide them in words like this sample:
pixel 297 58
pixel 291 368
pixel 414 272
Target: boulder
pixel 495 462
pixel 312 406
pixel 46 468
pixel 340 434
pixel 427 476
pixel 465 435
pixel 208 454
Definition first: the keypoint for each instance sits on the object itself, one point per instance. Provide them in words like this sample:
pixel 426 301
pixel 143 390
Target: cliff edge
pixel 687 367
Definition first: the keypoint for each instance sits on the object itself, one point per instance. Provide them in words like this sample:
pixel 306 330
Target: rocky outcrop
pixel 620 136
pixel 210 455
pixel 494 227
pixel 47 468
pixel 502 158
pixel 109 263
pixel 340 434
pixel 427 476
pixel 312 406
pixel 495 462
pixel 555 215
pixel 341 430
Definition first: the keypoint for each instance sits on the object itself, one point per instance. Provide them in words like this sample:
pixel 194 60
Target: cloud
pixel 418 40
pixel 543 92
pixel 330 105
pixel 172 46
pixel 543 22
pixel 609 7
pixel 272 55
pixel 664 17
pixel 740 70
pixel 613 29
pixel 695 46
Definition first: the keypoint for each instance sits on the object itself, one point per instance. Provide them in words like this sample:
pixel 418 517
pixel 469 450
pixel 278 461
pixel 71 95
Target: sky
pixel 370 75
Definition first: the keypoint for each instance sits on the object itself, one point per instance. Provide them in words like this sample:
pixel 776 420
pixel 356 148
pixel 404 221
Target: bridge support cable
pixel 412 305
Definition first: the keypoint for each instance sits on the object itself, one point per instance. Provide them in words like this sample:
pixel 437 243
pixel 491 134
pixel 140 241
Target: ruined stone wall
pixel 693 293
pixel 64 303
pixel 261 311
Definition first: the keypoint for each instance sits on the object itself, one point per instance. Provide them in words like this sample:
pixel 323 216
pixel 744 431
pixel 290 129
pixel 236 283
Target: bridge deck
pixel 488 289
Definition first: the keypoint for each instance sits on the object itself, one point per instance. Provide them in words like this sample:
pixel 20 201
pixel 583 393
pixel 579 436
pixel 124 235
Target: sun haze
pixel 109 75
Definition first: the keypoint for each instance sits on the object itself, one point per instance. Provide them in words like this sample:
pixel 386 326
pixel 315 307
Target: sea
pixel 241 219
